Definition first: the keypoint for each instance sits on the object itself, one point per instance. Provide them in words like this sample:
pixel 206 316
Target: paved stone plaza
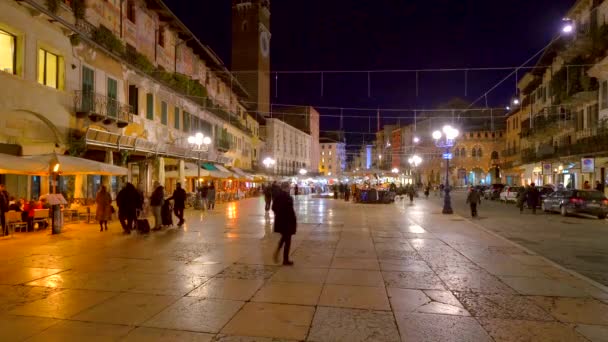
pixel 362 273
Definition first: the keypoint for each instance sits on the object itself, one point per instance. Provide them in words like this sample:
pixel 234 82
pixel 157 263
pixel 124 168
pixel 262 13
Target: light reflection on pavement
pixel 362 273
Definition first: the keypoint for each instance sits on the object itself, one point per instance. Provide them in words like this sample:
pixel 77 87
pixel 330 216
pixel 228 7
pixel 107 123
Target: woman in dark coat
pixel 285 221
pixel 104 207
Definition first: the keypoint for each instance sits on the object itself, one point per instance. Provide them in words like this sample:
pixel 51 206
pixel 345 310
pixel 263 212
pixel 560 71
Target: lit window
pixel 330 153
pixel 322 153
pixel 48 69
pixel 7 52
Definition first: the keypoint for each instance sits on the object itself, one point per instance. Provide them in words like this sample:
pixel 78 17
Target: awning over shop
pixel 242 174
pixel 20 166
pixel 226 171
pixel 77 166
pixel 190 170
pixel 214 171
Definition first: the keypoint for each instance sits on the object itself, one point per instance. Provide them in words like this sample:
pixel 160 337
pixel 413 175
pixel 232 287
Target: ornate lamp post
pixel 269 162
pixel 445 140
pixel 200 143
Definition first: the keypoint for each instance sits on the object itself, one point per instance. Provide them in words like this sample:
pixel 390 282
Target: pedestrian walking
pixel 285 222
pixel 411 193
pixel 267 196
pixel 211 196
pixel 156 202
pixel 4 203
pixel 473 199
pixel 128 201
pixel 427 190
pixel 203 193
pixel 104 208
pixel 533 197
pixel 441 189
pixel 521 199
pixel 296 190
pixel 179 203
pixel 346 193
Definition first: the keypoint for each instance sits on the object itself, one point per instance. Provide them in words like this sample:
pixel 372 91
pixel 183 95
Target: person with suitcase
pixel 179 203
pixel 128 200
pixel 166 214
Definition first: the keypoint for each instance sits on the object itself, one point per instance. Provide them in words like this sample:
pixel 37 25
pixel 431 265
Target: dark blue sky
pixel 387 34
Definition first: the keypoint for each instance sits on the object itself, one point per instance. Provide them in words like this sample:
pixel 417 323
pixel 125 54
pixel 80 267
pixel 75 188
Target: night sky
pixel 387 34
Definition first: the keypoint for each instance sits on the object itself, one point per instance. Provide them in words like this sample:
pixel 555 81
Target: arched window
pixel 479 154
pixel 494 155
pixel 463 152
pixel 456 152
pixel 473 152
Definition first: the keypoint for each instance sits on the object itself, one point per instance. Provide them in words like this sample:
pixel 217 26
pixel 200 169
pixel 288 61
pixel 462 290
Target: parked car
pixel 568 202
pixel 493 192
pixel 509 193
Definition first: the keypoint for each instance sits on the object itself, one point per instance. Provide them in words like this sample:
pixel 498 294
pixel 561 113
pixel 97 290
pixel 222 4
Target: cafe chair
pixel 14 221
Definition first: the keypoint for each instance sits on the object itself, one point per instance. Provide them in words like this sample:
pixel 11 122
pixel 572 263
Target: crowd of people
pixel 23 206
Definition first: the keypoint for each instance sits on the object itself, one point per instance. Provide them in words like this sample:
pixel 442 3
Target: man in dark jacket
pixel 267 196
pixel 276 189
pixel 285 221
pixel 179 203
pixel 473 199
pixel 533 197
pixel 128 201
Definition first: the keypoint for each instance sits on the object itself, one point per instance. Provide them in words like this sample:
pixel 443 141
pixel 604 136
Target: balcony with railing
pixel 595 144
pixel 101 108
pixel 547 125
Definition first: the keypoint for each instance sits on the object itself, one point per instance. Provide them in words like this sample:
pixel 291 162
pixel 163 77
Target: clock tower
pixel 251 50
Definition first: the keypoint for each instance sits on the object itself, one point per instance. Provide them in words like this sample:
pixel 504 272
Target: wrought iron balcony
pixel 223 144
pixel 101 108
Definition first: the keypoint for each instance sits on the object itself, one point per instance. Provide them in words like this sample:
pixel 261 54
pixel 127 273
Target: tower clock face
pixel 265 43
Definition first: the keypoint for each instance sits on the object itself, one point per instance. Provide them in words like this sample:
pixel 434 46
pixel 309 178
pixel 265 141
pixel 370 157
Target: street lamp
pixel 201 144
pixel 268 162
pixel 416 140
pixel 568 26
pixel 303 172
pixel 395 170
pixel 446 140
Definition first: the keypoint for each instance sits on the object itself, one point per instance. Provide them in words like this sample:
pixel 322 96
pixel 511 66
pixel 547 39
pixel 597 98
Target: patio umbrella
pixel 77 166
pixel 14 165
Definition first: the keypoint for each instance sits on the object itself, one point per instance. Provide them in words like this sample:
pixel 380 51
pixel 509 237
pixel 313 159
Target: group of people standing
pixel 530 196
pixel 131 201
pixel 207 195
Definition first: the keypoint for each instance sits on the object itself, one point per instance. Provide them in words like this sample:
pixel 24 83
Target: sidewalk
pixel 362 273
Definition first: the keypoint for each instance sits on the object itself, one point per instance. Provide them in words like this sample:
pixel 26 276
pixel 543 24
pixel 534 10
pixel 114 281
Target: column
pixel 159 172
pixel 28 194
pixel 80 186
pixel 181 173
